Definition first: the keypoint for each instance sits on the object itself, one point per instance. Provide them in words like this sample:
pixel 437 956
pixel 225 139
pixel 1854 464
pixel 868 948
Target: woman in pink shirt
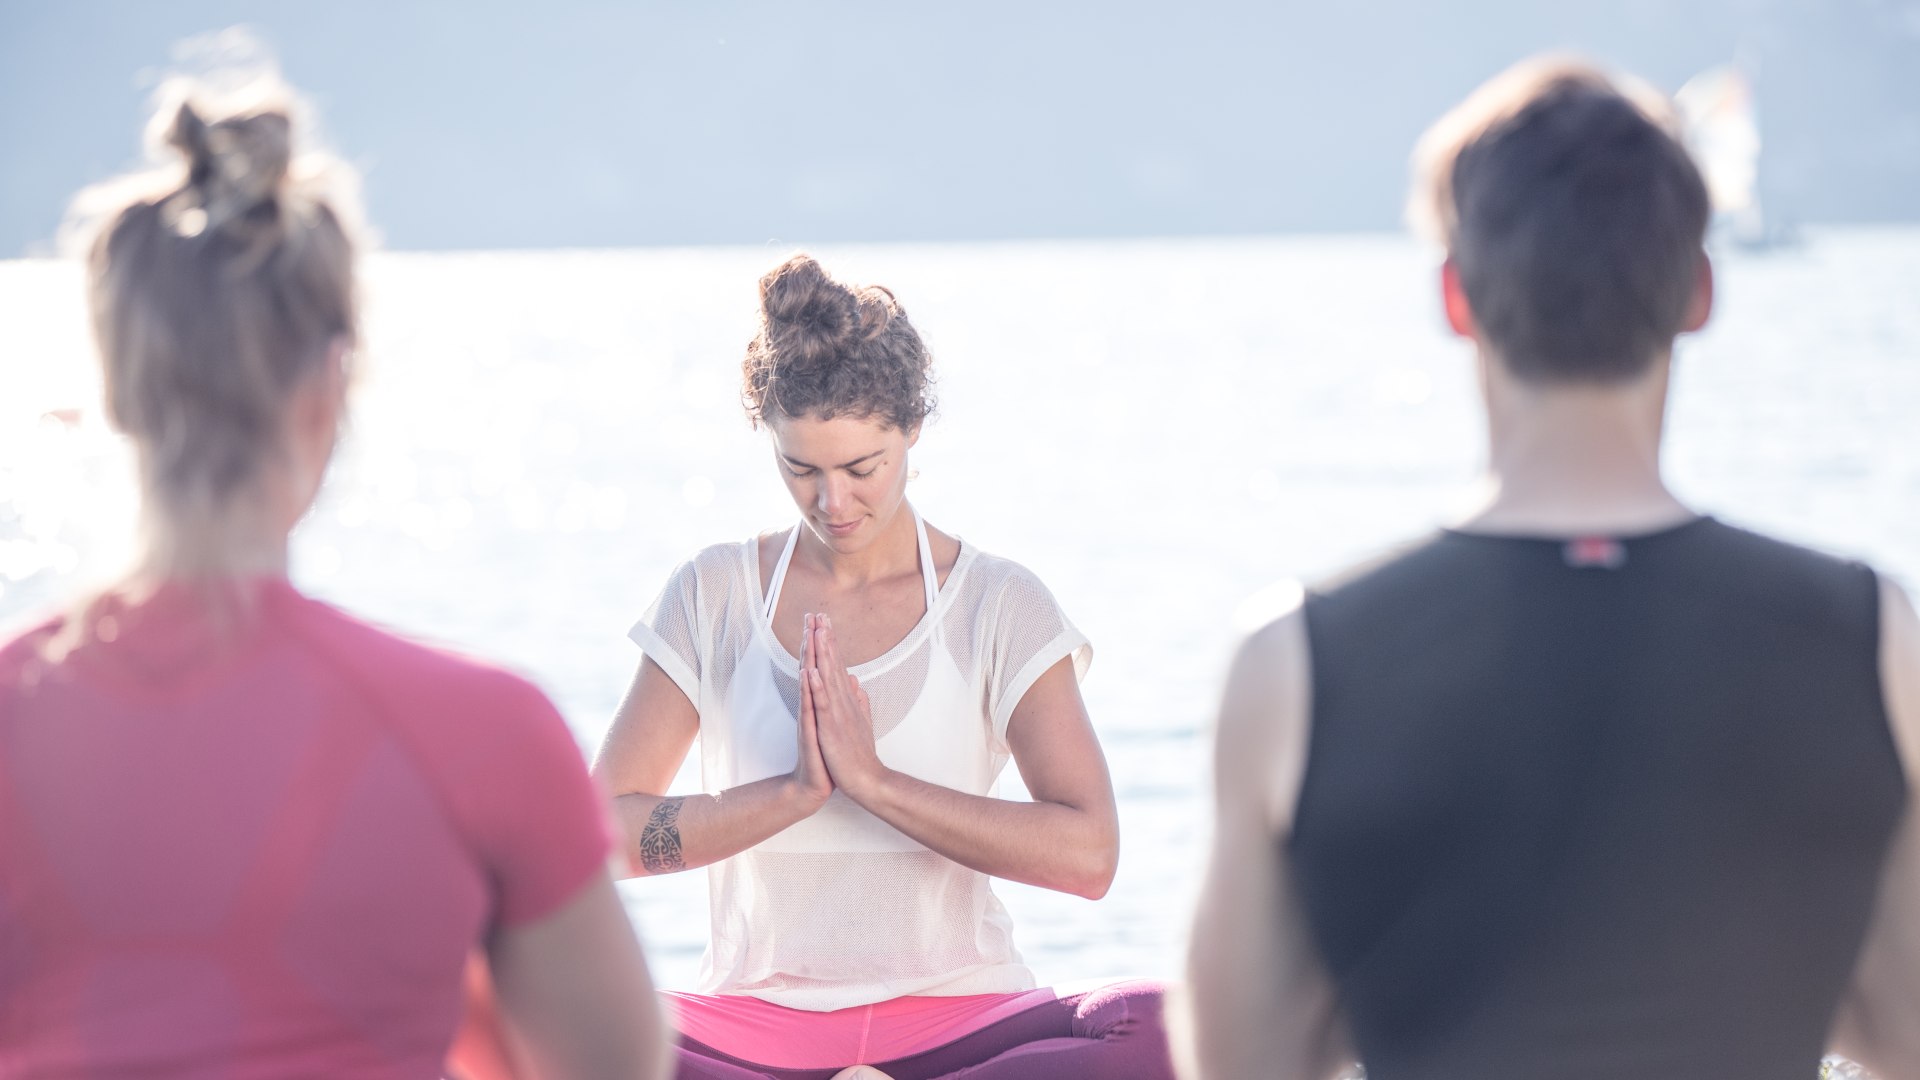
pixel 242 833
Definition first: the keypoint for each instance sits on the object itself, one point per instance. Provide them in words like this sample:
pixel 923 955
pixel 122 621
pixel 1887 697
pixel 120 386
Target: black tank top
pixel 1600 810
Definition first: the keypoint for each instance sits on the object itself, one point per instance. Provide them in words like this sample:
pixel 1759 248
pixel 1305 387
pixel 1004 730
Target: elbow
pixel 1096 874
pixel 1097 877
pixel 624 866
pixel 630 812
pixel 1094 888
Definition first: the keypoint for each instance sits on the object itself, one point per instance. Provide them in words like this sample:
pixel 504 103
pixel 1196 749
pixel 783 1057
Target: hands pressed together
pixel 1066 837
pixel 836 721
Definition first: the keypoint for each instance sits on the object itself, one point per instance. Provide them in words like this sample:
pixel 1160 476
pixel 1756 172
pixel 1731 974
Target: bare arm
pixel 638 759
pixel 576 987
pixel 1879 1023
pixel 1067 838
pixel 1258 1002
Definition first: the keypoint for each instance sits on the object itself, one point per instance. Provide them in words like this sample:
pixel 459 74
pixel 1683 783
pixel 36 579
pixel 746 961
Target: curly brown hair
pixel 829 349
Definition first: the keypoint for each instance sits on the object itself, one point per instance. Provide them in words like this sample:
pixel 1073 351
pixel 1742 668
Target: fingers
pixel 827 649
pixel 833 674
pixel 806 701
pixel 806 661
pixel 811 663
pixel 812 766
pixel 817 658
pixel 839 677
pixel 809 707
pixel 831 685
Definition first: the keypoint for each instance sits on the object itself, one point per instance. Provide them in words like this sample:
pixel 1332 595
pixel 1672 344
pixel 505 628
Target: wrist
pixel 804 797
pixel 870 788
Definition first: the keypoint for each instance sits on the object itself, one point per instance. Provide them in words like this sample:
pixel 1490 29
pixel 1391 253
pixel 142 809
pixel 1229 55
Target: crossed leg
pixel 1112 1032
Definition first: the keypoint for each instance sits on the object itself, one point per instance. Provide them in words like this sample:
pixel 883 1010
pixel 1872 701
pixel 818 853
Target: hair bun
pixel 826 348
pixel 235 165
pixel 811 318
pixel 188 134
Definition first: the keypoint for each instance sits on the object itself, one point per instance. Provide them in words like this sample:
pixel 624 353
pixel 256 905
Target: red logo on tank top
pixel 1603 552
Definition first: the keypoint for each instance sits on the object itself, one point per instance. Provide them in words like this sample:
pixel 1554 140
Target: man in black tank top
pixel 1588 787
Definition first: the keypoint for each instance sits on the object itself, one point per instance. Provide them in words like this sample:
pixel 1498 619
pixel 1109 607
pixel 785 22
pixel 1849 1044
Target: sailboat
pixel 1721 124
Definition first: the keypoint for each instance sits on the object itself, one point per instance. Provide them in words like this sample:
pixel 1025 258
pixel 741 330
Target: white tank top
pixel 842 909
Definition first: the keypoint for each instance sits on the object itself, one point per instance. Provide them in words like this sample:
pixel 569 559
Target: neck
pixel 240 541
pixel 896 550
pixel 1570 459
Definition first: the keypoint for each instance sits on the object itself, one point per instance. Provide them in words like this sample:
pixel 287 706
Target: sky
pixel 576 123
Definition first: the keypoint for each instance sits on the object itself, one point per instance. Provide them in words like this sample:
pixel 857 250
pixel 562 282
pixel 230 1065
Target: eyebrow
pixel 843 465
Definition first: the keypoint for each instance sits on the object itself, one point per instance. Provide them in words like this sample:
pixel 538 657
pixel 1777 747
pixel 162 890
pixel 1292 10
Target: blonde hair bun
pixel 236 166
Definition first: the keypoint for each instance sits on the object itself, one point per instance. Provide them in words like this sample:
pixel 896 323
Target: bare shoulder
pixel 1900 671
pixel 768 546
pixel 946 552
pixel 1261 740
pixel 1271 660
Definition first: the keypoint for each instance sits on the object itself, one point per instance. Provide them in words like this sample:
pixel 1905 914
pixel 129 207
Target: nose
pixel 831 497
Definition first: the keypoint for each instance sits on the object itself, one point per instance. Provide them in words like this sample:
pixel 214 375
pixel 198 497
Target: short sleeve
pixel 1030 634
pixel 546 828
pixel 669 632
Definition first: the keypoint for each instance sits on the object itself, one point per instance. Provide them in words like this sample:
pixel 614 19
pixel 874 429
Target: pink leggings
pixel 1111 1033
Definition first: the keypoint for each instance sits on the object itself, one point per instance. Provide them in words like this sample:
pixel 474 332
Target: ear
pixel 320 405
pixel 1701 305
pixel 1453 297
pixel 334 380
pixel 334 371
pixel 913 436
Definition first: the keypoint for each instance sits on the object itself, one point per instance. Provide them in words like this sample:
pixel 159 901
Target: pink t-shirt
pixel 265 847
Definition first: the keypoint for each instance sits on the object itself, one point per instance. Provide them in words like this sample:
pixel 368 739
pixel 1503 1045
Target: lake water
pixel 1159 429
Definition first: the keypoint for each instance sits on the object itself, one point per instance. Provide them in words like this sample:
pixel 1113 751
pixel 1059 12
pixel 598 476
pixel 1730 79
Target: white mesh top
pixel 842 909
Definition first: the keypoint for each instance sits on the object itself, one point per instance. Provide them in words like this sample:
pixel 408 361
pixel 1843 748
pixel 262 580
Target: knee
pixel 1124 1007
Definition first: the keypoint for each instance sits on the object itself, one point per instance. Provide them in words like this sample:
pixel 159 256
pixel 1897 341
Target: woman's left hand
pixel 843 715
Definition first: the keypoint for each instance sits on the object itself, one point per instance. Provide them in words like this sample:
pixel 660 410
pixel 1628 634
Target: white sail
pixel 1723 130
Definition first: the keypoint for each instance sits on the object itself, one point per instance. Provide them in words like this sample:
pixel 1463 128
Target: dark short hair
pixel 1574 216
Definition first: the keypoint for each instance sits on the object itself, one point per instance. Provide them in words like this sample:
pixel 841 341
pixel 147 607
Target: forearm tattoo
pixel 660 840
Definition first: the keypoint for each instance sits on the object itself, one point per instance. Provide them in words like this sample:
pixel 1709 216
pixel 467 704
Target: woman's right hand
pixel 809 776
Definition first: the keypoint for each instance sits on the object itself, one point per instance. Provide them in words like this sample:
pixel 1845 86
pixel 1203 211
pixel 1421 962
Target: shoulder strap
pixel 928 573
pixel 780 573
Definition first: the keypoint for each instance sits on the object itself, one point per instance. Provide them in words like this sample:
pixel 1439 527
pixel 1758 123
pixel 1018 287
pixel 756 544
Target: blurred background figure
pixel 241 832
pixel 1588 785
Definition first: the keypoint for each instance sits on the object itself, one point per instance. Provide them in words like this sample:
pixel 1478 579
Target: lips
pixel 841 530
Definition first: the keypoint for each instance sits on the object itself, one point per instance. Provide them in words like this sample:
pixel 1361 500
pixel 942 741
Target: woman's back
pixel 264 844
pixel 242 834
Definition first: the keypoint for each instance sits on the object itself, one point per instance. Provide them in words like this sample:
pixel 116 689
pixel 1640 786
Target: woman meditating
pixel 857 683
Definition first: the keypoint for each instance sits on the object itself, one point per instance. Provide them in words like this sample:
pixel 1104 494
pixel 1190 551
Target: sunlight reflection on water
pixel 1159 429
